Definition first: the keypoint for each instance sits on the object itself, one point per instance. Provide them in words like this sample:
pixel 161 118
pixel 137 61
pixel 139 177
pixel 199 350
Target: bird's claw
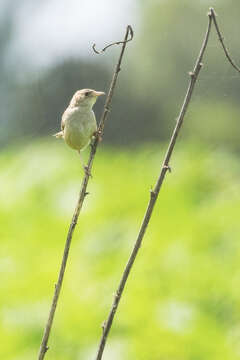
pixel 98 134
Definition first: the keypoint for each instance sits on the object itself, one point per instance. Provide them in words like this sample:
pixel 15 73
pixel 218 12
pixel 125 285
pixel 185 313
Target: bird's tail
pixel 59 135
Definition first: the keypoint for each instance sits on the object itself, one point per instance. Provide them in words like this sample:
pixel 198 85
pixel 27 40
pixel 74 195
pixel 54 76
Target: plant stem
pixel 83 192
pixel 154 194
pixel 221 38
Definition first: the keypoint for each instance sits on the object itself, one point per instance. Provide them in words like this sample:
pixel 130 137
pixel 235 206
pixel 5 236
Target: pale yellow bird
pixel 78 124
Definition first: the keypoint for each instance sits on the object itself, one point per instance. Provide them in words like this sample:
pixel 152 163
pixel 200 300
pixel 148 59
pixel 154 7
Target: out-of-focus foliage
pixel 153 81
pixel 169 42
pixel 182 298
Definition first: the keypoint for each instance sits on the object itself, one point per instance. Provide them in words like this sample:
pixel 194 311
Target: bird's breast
pixel 80 125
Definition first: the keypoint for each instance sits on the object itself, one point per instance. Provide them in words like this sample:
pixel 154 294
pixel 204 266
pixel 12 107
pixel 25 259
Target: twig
pixel 82 195
pixel 221 38
pixel 165 167
pixel 115 43
pixel 154 194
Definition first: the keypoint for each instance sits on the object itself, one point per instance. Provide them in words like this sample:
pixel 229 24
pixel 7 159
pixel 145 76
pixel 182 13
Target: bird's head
pixel 85 97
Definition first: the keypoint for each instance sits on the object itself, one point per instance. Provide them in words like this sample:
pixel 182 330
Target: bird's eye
pixel 87 93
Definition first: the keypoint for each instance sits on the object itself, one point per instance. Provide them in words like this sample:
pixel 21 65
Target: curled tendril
pixel 129 31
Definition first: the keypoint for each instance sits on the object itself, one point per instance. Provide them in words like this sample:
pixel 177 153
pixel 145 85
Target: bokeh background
pixel 182 298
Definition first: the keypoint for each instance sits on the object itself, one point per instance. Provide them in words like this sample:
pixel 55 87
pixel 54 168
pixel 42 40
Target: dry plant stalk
pixel 164 168
pixel 44 344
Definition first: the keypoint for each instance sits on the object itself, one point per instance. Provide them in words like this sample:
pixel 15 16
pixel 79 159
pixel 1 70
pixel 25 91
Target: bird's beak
pixel 98 93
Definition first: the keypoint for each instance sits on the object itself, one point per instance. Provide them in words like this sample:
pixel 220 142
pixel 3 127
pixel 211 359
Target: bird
pixel 78 124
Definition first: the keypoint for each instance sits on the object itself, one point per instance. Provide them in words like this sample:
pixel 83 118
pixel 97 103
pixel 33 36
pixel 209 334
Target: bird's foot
pixel 98 134
pixel 87 171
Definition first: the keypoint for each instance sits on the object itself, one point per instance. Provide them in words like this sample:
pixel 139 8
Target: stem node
pixel 168 168
pixel 152 194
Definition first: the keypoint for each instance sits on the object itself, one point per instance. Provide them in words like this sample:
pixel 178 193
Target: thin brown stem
pixel 82 195
pixel 153 195
pixel 115 43
pixel 221 38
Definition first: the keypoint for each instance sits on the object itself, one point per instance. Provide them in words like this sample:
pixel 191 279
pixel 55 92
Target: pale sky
pixel 49 30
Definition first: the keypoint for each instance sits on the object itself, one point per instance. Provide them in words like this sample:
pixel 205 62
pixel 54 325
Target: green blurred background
pixel 182 298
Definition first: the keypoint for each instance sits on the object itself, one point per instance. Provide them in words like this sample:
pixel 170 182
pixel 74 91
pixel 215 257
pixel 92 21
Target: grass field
pixel 182 298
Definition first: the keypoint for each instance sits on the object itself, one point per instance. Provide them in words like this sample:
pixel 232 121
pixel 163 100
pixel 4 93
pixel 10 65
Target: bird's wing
pixel 63 121
pixel 62 124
